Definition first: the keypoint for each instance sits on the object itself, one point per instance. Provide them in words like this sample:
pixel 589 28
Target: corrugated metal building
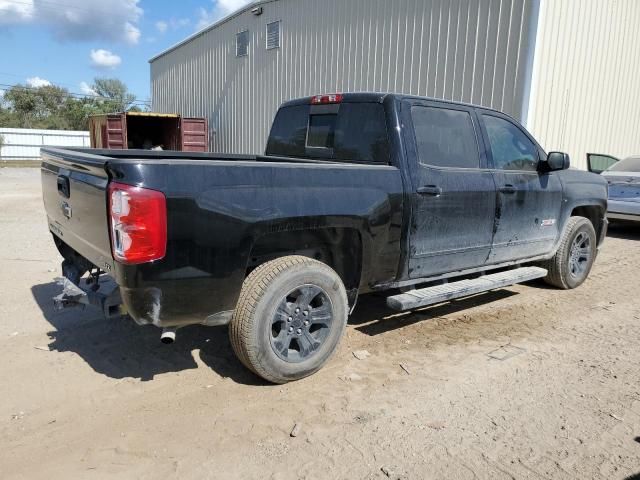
pixel 25 143
pixel 567 69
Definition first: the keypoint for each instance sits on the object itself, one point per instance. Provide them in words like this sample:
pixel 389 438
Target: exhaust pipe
pixel 168 336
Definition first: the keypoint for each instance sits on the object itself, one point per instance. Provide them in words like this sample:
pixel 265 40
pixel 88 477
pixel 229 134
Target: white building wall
pixel 25 143
pixel 585 95
pixel 476 51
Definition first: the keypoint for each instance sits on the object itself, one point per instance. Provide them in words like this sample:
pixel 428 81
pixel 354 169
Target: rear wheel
pixel 289 319
pixel 571 264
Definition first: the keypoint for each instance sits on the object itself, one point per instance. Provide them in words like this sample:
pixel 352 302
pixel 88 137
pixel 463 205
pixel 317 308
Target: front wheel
pixel 289 319
pixel 571 264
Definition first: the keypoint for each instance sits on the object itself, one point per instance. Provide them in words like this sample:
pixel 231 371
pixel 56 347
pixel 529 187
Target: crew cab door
pixel 453 194
pixel 529 201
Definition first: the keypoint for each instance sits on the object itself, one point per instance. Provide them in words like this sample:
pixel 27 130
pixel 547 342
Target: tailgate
pixel 74 191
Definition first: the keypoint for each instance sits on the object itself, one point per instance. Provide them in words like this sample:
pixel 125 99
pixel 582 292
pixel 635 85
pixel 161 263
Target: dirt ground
pixel 525 382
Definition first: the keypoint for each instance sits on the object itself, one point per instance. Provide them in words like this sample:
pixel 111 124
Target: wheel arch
pixel 341 248
pixel 594 213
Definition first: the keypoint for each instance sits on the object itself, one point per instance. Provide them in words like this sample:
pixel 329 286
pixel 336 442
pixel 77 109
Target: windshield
pixel 352 132
pixel 631 164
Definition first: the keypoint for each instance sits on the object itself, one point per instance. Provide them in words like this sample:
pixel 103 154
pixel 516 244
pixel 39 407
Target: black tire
pixel 278 336
pixel 571 264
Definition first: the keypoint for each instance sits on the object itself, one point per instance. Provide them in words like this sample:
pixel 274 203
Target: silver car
pixel 624 184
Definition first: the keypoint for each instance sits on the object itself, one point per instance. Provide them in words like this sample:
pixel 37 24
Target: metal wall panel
pixel 466 50
pixel 585 96
pixel 25 143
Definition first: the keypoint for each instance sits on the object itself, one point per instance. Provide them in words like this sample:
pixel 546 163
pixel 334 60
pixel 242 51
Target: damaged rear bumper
pixel 145 305
pixel 106 296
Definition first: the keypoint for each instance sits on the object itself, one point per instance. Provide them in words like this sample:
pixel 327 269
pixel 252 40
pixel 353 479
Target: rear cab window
pixel 346 132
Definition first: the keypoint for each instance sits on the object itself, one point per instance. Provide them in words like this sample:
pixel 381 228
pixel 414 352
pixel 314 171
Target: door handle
pixel 508 188
pixel 63 186
pixel 430 190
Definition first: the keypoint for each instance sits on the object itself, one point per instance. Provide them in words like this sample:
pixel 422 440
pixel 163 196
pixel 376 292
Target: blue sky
pixel 70 42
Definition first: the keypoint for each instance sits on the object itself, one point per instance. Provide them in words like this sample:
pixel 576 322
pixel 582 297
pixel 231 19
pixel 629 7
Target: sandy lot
pixel 525 382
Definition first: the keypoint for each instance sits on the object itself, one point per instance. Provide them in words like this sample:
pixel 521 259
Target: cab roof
pixel 379 97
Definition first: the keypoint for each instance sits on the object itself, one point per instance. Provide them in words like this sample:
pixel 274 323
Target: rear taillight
pixel 138 223
pixel 324 99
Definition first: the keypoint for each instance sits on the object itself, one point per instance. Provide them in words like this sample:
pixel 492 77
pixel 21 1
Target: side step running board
pixel 463 288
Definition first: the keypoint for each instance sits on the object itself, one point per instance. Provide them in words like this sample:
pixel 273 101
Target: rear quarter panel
pixel 217 210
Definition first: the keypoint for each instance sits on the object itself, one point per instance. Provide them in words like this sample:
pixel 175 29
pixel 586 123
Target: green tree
pixel 6 114
pixel 115 94
pixel 52 107
pixel 77 111
pixel 37 107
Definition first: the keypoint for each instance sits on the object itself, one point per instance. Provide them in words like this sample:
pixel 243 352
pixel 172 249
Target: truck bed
pixel 88 172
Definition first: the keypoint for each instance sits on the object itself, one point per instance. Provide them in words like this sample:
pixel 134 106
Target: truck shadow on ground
pixel 624 230
pixel 118 348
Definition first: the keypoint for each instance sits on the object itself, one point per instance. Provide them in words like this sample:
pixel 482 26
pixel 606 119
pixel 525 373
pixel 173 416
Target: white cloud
pixel 78 20
pixel 104 59
pixel 86 89
pixel 162 26
pixel 131 33
pixel 16 12
pixel 179 22
pixel 221 8
pixel 36 82
pixel 173 23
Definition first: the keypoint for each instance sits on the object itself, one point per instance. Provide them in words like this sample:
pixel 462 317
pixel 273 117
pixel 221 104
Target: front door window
pixel 511 148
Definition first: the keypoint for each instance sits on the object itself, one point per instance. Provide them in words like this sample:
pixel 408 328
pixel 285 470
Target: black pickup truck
pixel 427 199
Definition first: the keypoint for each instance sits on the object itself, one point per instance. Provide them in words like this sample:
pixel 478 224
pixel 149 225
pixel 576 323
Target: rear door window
pixel 445 137
pixel 349 132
